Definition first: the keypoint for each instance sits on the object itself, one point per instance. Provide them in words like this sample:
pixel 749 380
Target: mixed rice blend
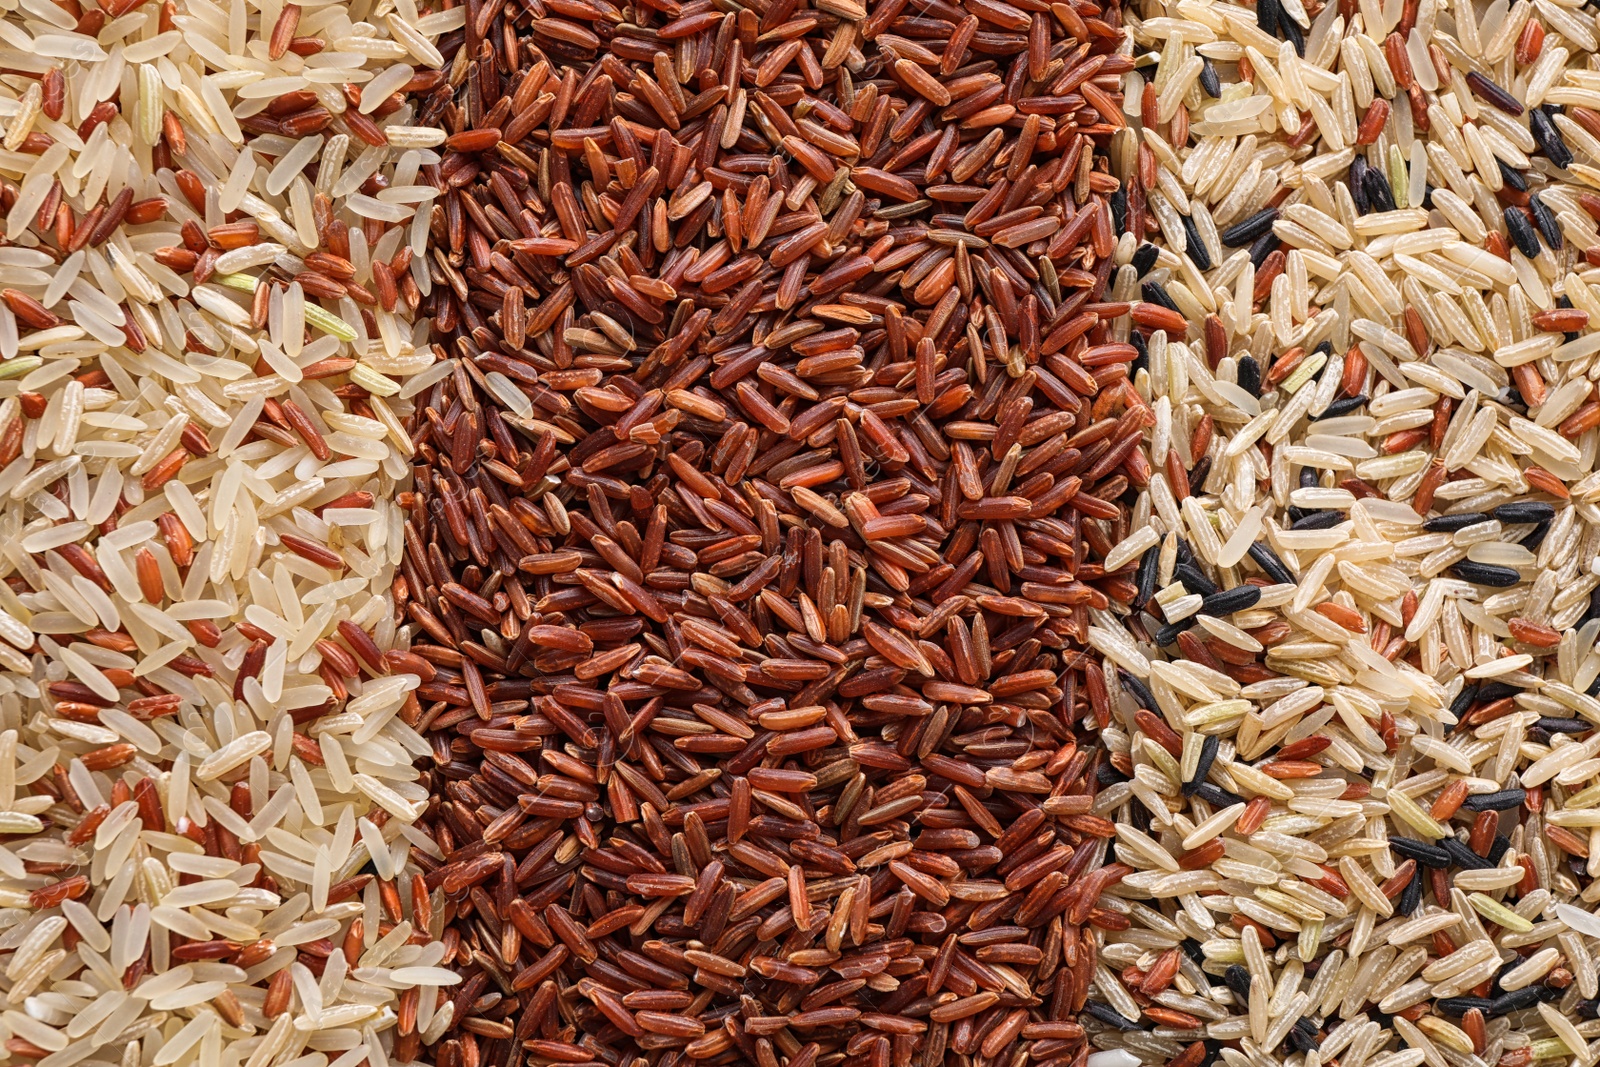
pixel 1355 758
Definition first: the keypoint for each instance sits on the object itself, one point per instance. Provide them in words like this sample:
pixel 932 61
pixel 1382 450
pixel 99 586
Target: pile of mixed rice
pixel 1351 715
pixel 1355 733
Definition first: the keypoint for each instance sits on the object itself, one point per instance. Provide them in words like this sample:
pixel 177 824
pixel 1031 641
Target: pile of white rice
pixel 206 778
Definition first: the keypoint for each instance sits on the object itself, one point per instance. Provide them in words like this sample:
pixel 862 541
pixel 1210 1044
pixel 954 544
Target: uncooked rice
pixel 213 249
pixel 758 512
pixel 1353 713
